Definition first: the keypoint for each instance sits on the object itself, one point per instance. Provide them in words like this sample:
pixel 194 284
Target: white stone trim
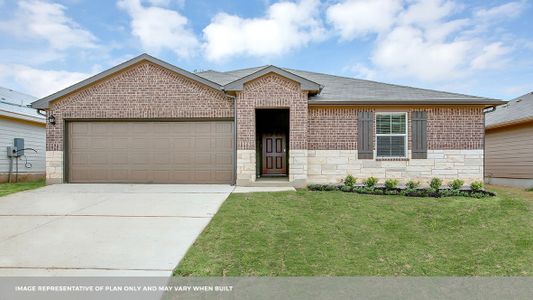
pixel 54 167
pixel 333 165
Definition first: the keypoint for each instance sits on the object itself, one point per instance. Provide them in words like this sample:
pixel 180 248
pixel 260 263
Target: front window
pixel 391 133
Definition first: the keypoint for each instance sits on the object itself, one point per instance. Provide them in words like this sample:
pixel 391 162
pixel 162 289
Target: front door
pixel 274 155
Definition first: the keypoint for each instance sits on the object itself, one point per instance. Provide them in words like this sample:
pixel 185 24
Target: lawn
pixel 342 234
pixel 10 188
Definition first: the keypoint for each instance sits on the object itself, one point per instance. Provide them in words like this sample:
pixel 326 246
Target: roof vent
pixel 518 100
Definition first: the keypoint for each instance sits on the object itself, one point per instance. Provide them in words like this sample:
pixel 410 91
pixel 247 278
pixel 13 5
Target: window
pixel 391 133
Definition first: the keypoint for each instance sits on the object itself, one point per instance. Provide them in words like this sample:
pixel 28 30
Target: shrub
pixel 330 187
pixel 456 184
pixel 435 183
pixel 370 182
pixel 412 185
pixel 391 184
pixel 350 180
pixel 314 187
pixel 529 189
pixel 346 188
pixel 476 186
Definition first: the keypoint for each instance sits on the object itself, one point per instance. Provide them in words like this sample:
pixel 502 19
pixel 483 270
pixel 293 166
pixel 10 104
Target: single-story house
pixel 146 120
pixel 509 143
pixel 18 121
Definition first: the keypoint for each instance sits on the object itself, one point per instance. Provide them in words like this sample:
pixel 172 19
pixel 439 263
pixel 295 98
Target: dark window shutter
pixel 365 138
pixel 419 132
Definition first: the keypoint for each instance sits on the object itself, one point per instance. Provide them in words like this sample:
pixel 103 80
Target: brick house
pixel 151 122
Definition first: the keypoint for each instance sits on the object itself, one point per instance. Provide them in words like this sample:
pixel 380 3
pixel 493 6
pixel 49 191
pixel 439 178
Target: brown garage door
pixel 150 152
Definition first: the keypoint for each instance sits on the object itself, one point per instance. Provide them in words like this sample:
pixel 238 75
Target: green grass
pixel 341 234
pixel 10 188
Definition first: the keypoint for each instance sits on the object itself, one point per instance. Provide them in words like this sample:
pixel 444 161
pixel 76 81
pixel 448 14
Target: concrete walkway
pixel 103 229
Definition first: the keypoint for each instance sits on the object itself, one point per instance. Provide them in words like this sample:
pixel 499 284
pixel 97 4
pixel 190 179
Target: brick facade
pixel 448 128
pixel 143 91
pixel 271 91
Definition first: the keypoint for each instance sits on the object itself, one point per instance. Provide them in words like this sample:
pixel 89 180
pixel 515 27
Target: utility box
pixel 11 151
pixel 19 145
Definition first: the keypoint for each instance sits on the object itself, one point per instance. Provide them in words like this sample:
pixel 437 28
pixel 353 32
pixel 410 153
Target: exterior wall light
pixel 52 120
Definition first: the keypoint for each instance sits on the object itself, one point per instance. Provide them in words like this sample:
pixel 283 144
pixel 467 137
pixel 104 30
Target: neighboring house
pixel 148 121
pixel 19 121
pixel 509 143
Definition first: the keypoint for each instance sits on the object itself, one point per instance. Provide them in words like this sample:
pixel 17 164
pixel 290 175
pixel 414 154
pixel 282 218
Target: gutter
pixel 488 102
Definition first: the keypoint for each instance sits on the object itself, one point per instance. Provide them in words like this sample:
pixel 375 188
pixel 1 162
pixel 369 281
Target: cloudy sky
pixel 481 47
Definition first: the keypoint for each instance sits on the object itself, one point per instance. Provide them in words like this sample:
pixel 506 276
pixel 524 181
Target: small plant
pixel 370 182
pixel 330 187
pixel 476 186
pixel 391 184
pixel 435 183
pixel 350 180
pixel 412 185
pixel 529 189
pixel 346 188
pixel 456 184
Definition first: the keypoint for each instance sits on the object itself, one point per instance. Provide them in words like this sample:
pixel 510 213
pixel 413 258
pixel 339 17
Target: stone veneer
pixel 54 167
pixel 331 166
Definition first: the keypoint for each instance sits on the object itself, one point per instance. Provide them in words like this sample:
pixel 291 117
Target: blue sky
pixel 482 48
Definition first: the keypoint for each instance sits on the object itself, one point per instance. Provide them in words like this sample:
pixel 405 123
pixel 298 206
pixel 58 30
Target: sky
pixel 482 48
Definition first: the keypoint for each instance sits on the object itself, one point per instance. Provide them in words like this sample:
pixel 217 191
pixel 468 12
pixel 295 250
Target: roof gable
pixel 305 84
pixel 44 102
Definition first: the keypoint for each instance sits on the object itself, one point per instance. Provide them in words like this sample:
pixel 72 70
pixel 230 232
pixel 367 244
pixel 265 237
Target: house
pixel 148 121
pixel 509 143
pixel 17 121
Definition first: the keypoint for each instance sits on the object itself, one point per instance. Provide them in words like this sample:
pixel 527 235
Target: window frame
pixel 406 134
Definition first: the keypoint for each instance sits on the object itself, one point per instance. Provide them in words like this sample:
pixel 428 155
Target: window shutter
pixel 419 129
pixel 365 138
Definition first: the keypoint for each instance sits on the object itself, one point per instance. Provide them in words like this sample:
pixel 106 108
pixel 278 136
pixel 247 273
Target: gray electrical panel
pixel 19 144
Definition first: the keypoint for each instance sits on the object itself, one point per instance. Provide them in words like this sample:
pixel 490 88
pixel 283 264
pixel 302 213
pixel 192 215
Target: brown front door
pixel 274 155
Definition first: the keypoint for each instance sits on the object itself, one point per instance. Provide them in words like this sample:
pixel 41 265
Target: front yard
pixel 342 234
pixel 10 188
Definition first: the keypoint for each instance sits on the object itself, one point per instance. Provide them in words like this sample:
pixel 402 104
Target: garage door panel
pixel 145 152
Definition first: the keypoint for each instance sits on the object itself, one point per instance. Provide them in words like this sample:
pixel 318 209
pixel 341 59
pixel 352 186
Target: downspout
pixel 485 112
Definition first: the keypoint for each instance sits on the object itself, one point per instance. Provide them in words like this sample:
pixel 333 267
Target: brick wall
pixel 271 91
pixel 449 128
pixel 143 91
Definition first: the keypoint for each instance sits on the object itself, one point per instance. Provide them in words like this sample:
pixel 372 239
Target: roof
pixel 327 89
pixel 44 102
pixel 14 104
pixel 516 111
pixel 340 90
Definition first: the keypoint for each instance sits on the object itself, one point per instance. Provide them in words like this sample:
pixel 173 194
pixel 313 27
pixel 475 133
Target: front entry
pixel 274 155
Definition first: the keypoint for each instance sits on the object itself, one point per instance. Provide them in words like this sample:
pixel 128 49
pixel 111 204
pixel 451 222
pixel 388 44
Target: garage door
pixel 150 152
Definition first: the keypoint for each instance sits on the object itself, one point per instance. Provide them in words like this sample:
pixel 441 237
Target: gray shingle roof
pixel 515 111
pixel 15 104
pixel 339 90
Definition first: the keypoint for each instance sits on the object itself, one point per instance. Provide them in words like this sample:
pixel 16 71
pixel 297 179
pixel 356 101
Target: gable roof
pixel 340 90
pixel 14 104
pixel 44 102
pixel 516 111
pixel 305 84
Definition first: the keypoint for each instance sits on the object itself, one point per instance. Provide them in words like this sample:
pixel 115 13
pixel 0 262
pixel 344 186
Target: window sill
pixel 392 159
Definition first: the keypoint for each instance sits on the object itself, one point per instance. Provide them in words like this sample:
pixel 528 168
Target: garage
pixel 149 152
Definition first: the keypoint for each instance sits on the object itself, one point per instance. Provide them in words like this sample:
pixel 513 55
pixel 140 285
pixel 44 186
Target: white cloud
pixel 357 18
pixel 286 26
pixel 491 56
pixel 160 28
pixel 35 19
pixel 38 82
pixel 426 40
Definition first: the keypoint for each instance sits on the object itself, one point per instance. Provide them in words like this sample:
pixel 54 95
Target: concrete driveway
pixel 103 229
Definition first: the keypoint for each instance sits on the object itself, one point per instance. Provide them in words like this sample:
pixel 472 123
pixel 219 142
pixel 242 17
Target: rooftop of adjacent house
pixel 516 111
pixel 15 105
pixel 339 89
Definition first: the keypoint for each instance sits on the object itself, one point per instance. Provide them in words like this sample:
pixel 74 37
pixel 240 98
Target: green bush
pixel 350 180
pixel 476 186
pixel 456 184
pixel 529 189
pixel 346 188
pixel 314 187
pixel 435 183
pixel 370 182
pixel 391 184
pixel 412 185
pixel 330 187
